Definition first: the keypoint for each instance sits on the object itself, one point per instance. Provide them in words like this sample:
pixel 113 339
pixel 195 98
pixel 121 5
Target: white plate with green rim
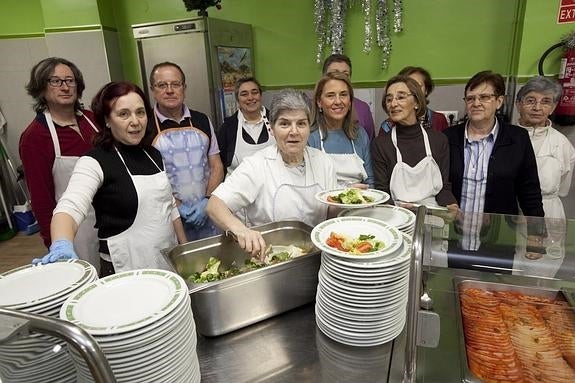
pixel 353 227
pixel 31 285
pixel 125 301
pixel 397 216
pixel 374 197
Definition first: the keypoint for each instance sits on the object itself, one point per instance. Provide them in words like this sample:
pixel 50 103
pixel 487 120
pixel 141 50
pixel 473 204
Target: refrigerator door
pixel 173 42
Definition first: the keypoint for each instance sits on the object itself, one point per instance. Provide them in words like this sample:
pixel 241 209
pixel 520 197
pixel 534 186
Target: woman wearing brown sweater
pixel 411 163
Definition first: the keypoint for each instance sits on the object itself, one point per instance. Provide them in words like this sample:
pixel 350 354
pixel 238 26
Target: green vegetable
pixel 365 237
pixel 352 197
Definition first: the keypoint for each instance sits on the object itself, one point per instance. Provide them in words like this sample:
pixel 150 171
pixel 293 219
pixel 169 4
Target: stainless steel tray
pixel 223 306
pixel 458 282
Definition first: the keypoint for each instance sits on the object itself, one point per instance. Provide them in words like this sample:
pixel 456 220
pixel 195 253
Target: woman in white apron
pixel 279 182
pixel 63 127
pixel 124 180
pixel 555 156
pixel 411 163
pixel 336 132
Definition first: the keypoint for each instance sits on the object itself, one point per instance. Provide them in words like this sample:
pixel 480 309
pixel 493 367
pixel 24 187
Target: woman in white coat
pixel 123 177
pixel 555 155
pixel 279 182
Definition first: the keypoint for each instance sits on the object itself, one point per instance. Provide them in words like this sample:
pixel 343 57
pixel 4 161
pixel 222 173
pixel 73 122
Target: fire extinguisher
pixel 565 112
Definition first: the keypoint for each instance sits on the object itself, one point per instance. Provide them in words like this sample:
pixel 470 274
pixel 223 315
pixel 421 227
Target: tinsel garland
pixel 329 19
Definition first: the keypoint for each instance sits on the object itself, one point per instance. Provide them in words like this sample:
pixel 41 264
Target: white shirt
pixel 254 183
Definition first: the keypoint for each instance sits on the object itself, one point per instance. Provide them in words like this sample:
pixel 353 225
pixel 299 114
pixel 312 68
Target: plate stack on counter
pixel 143 322
pixel 361 298
pixel 399 217
pixel 41 290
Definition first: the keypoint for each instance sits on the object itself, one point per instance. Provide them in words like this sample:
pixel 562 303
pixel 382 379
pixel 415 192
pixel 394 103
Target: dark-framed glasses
pixel 165 85
pixel 400 97
pixel 483 98
pixel 57 82
pixel 545 102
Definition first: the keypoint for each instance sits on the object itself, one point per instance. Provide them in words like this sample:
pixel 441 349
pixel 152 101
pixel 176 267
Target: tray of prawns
pixel 512 333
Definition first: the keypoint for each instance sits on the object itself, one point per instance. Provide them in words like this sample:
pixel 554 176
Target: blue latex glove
pixel 59 250
pixel 199 216
pixel 186 211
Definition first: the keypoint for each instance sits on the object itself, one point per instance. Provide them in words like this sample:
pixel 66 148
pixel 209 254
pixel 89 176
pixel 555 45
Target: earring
pixel 320 110
pixel 416 107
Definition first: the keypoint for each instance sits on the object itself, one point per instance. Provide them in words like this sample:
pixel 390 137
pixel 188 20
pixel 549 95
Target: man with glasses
pixel 49 147
pixel 492 164
pixel 189 146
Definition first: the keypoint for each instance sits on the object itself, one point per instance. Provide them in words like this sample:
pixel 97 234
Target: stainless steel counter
pixel 290 348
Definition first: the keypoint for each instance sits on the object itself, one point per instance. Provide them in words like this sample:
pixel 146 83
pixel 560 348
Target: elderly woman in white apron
pixel 279 182
pixel 555 155
pixel 411 163
pixel 123 178
pixel 335 131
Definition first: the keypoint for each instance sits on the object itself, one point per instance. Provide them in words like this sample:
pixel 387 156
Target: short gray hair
pixel 289 100
pixel 541 84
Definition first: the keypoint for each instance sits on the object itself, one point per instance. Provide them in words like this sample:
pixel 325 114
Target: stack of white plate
pixel 396 216
pixel 40 290
pixel 361 299
pixel 143 322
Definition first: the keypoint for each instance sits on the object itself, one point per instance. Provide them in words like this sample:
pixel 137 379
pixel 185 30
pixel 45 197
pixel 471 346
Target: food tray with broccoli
pixel 352 198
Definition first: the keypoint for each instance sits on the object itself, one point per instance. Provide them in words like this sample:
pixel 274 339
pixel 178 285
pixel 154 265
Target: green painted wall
pixel 21 19
pixel 62 14
pixel 452 38
pixel 539 33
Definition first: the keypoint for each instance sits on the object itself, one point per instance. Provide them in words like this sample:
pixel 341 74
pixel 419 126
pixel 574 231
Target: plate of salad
pixel 357 238
pixel 352 198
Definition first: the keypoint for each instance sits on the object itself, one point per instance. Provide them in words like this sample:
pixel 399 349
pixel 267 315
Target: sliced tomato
pixel 364 247
pixel 335 242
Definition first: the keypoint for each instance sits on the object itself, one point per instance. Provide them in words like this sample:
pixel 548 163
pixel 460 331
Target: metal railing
pixel 17 324
pixel 415 273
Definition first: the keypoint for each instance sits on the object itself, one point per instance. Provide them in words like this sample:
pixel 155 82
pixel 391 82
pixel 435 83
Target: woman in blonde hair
pixel 336 133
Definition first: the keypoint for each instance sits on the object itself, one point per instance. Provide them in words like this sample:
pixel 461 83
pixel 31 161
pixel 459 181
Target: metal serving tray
pixel 459 282
pixel 223 306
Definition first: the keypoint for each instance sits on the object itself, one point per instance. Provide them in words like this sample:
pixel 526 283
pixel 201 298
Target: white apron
pixel 348 166
pixel 549 169
pixel 295 202
pixel 183 150
pixel 86 240
pixel 243 149
pixel 139 246
pixel 419 184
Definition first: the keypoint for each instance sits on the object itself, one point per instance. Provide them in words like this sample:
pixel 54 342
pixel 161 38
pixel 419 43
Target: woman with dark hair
pixel 60 133
pixel 432 119
pixel 335 131
pixel 247 130
pixel 123 177
pixel 411 163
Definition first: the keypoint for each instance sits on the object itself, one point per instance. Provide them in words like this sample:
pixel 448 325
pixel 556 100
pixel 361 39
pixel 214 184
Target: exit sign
pixel 566 12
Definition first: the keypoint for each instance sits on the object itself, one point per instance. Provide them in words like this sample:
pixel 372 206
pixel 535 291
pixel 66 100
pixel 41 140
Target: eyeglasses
pixel 164 85
pixel 57 82
pixel 532 101
pixel 400 97
pixel 483 98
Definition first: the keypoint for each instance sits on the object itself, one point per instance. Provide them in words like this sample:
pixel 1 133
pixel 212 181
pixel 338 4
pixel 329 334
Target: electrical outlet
pixel 451 115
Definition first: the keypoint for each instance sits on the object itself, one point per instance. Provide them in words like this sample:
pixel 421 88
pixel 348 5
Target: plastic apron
pixel 419 184
pixel 183 150
pixel 86 242
pixel 293 202
pixel 349 166
pixel 549 169
pixel 243 149
pixel 139 246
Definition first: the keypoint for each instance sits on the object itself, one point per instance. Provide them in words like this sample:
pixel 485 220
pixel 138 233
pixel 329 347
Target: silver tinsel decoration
pixel 397 16
pixel 329 20
pixel 382 26
pixel 366 7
